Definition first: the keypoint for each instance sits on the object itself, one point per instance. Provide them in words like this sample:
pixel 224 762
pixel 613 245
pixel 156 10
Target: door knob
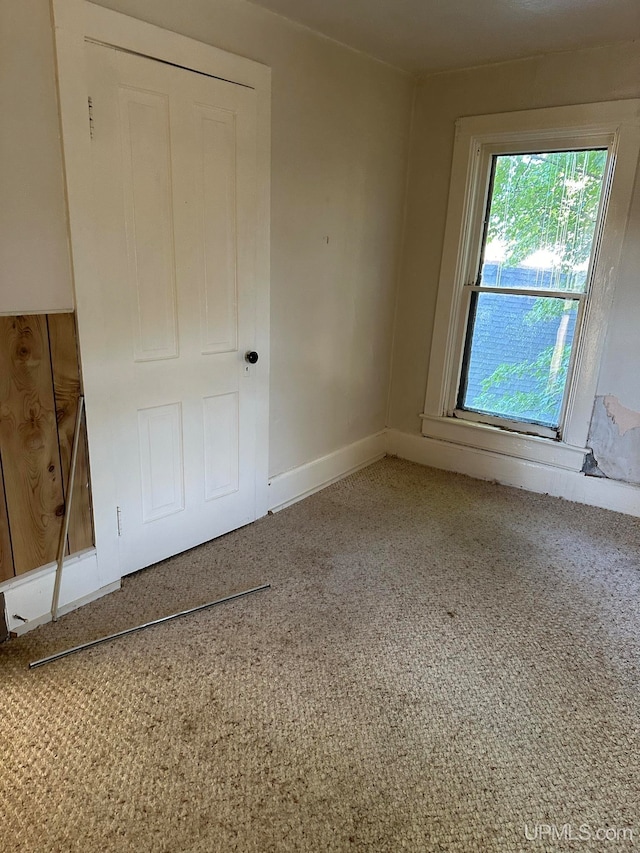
pixel 251 357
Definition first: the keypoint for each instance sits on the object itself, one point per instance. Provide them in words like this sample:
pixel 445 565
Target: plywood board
pixel 29 442
pixel 6 554
pixel 67 388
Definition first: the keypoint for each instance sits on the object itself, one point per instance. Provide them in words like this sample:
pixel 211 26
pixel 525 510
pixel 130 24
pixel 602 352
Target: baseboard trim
pixel 509 471
pixel 29 596
pixel 298 483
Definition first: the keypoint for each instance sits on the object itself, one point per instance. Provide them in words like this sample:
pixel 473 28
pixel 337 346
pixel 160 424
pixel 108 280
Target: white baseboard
pixel 533 476
pixel 291 486
pixel 29 596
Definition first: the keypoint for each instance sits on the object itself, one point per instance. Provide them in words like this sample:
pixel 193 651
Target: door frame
pixel 75 21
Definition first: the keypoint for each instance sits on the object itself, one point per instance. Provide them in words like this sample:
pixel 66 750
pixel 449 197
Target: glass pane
pixel 516 364
pixel 542 219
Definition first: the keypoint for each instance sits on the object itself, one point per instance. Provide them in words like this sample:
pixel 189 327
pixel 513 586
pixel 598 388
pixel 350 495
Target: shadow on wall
pixel 614 439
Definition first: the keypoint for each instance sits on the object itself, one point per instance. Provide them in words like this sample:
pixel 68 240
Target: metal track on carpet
pixel 160 621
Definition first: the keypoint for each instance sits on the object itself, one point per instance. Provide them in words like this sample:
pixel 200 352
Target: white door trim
pixel 74 22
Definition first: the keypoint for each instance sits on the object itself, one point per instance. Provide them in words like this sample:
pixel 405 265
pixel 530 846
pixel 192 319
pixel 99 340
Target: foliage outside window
pixel 538 239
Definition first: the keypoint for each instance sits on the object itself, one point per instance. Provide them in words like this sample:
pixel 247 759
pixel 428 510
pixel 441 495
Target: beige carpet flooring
pixel 441 665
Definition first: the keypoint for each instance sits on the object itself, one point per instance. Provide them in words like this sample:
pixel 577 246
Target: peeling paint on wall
pixel 614 439
pixel 590 466
pixel 625 419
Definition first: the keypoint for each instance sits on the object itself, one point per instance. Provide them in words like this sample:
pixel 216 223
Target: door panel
pixel 174 158
pixel 161 461
pixel 220 445
pixel 217 214
pixel 145 144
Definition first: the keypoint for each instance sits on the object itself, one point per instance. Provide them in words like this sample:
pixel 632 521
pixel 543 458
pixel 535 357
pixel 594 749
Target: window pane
pixel 517 360
pixel 542 218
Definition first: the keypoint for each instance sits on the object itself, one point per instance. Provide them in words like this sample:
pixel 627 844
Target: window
pixel 537 208
pixel 535 258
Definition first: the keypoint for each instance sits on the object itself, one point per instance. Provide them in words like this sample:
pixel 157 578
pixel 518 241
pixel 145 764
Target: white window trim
pixel 614 124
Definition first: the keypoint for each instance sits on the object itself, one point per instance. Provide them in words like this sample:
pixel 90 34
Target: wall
pixel 34 259
pixel 39 387
pixel 566 78
pixel 340 127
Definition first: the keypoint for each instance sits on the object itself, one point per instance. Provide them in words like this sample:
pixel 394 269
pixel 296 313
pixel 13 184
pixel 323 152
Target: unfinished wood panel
pixel 66 389
pixel 6 554
pixel 29 442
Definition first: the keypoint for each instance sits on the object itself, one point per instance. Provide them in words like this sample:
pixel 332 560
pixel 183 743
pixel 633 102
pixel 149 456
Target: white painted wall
pixel 34 258
pixel 340 127
pixel 566 78
pixel 340 136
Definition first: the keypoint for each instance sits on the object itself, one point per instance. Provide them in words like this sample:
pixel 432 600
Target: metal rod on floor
pixel 124 633
pixel 67 511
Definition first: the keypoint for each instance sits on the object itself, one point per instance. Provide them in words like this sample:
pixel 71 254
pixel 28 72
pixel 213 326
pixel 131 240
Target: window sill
pixel 497 440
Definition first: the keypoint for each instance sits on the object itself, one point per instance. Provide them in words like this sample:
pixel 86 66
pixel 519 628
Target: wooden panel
pixel 4 628
pixel 6 554
pixel 66 389
pixel 221 424
pixel 29 442
pixel 146 148
pixel 161 461
pixel 217 200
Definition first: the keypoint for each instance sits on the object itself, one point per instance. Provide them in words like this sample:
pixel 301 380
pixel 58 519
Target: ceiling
pixel 432 35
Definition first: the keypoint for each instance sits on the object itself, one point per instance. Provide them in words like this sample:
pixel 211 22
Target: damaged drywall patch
pixel 590 466
pixel 614 439
pixel 625 419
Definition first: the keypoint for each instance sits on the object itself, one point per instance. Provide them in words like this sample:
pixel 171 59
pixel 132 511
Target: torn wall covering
pixel 614 439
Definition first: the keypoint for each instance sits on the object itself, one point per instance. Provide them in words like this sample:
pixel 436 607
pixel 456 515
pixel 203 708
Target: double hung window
pixel 538 201
pixel 526 302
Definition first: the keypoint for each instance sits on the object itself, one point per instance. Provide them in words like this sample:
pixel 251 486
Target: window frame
pixel 612 125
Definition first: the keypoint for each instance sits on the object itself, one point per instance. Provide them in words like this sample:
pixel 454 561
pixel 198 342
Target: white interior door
pixel 174 171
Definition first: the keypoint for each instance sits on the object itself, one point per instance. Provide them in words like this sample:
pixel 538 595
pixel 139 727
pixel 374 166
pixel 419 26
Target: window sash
pixel 525 427
pixel 522 427
pixel 578 295
pixel 481 187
